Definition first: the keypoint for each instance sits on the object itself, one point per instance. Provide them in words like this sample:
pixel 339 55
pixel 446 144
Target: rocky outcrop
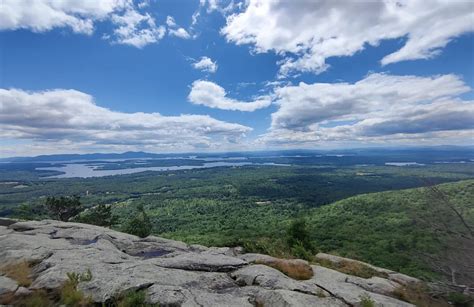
pixel 396 277
pixel 172 273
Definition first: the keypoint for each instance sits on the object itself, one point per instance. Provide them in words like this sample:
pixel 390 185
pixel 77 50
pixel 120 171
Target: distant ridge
pixel 369 151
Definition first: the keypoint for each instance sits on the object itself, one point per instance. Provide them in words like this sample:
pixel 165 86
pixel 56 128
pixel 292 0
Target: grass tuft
pixel 418 295
pixel 18 271
pixel 352 268
pixel 366 301
pixel 295 269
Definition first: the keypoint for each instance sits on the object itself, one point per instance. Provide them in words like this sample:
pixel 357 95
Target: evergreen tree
pixel 63 208
pixel 140 224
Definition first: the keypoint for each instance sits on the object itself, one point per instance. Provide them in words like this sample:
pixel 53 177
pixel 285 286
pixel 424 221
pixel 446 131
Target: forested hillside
pixel 414 231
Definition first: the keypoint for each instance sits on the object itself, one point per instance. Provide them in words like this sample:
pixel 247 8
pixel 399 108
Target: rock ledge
pixel 173 273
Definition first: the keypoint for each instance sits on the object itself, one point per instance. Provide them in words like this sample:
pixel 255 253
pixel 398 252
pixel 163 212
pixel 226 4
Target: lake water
pixel 404 164
pixel 87 170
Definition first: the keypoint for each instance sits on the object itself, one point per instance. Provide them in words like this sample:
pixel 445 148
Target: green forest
pixel 372 213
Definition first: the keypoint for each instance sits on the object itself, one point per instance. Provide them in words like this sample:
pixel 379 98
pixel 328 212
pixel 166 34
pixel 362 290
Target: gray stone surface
pixel 7 285
pixel 339 286
pixel 270 278
pixel 391 275
pixel 374 284
pixel 286 298
pixel 22 291
pixel 172 273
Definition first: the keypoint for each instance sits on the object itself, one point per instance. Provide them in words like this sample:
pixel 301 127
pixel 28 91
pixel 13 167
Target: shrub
pixel 298 233
pixel 37 298
pixel 275 247
pixel 69 294
pixel 140 224
pixel 134 299
pixel 299 240
pixel 459 299
pixel 100 215
pixel 63 208
pixel 299 251
pixel 419 295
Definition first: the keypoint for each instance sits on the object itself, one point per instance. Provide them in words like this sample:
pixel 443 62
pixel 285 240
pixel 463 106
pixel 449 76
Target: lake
pixel 404 164
pixel 86 170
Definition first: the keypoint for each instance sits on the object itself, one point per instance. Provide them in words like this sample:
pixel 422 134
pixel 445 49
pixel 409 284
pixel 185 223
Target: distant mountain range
pixel 438 150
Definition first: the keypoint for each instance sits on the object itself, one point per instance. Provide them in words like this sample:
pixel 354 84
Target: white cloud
pixel 132 27
pixel 44 15
pixel 220 6
pixel 211 95
pixel 170 22
pixel 175 30
pixel 143 4
pixel 307 33
pixel 180 32
pixel 378 108
pixel 68 116
pixel 136 29
pixel 205 64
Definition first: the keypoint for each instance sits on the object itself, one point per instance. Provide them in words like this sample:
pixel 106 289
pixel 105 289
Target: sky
pixel 217 75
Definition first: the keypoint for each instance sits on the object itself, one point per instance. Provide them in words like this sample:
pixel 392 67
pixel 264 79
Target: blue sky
pixel 79 78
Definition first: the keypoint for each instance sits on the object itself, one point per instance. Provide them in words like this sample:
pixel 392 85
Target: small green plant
pixel 133 298
pixel 320 293
pixel 76 278
pixel 69 294
pixel 459 299
pixel 366 301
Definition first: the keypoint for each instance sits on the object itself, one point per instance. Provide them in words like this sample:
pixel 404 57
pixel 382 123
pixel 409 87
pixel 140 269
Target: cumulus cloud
pixel 136 29
pixel 131 27
pixel 70 116
pixel 211 95
pixel 379 107
pixel 180 32
pixel 205 64
pixel 307 33
pixel 175 30
pixel 44 15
